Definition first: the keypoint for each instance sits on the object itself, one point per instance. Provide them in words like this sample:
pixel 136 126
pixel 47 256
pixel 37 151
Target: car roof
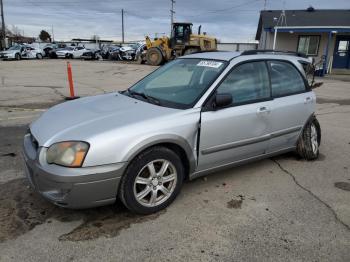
pixel 218 55
pixel 228 56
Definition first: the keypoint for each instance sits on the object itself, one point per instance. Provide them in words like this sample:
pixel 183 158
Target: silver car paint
pixel 118 127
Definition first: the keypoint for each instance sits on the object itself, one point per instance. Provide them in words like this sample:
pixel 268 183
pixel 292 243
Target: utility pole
pixel 53 37
pixel 123 26
pixel 3 30
pixel 172 13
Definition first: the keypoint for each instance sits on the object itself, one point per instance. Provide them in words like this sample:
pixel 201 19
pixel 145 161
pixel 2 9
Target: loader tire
pixel 154 57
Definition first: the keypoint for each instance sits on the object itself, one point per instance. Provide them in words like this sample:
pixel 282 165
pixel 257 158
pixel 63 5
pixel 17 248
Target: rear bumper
pixel 71 187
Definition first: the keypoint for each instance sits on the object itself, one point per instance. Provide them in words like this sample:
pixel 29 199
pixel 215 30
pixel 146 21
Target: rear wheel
pixel 39 56
pixel 152 181
pixel 17 56
pixel 154 56
pixel 310 140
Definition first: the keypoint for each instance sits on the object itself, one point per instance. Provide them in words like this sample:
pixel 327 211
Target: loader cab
pixel 180 34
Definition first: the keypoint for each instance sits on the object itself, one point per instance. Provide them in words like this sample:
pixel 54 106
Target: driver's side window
pixel 247 83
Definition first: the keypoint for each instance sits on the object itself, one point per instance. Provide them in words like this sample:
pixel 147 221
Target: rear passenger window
pixel 285 79
pixel 247 83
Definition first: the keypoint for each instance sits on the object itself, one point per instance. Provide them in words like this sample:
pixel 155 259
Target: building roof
pixel 309 17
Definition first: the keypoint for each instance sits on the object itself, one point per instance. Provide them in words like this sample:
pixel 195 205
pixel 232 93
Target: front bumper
pixel 75 188
pixel 7 57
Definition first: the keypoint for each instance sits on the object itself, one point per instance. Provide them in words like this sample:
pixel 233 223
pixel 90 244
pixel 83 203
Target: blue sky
pixel 228 20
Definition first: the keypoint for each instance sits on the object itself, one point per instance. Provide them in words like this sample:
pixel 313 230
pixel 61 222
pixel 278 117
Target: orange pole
pixel 70 80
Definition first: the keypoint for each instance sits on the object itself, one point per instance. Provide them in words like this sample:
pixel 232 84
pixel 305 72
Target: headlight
pixel 69 154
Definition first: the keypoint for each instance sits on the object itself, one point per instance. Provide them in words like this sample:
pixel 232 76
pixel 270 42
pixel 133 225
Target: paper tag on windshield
pixel 208 63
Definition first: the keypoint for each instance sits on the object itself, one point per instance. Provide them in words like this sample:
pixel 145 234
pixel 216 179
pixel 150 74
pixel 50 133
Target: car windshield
pixel 178 84
pixel 16 47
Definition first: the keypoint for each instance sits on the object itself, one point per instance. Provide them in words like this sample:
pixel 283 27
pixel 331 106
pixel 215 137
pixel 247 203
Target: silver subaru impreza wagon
pixel 193 116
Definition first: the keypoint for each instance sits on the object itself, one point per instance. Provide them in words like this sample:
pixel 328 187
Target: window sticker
pixel 208 63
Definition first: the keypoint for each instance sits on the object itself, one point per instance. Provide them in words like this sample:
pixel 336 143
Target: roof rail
pixel 255 52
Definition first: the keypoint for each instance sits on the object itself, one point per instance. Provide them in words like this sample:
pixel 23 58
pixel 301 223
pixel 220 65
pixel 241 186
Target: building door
pixel 341 58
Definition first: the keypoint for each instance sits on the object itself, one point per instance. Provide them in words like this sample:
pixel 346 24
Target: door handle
pixel 308 100
pixel 263 109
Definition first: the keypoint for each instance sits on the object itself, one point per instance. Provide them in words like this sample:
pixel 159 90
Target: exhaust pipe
pixel 199 29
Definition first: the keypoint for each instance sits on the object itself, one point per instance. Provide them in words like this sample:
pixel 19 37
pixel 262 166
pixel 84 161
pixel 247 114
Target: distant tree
pixel 44 36
pixel 16 31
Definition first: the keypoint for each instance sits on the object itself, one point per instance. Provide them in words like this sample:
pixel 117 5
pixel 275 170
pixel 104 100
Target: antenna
pixel 282 20
pixel 265 3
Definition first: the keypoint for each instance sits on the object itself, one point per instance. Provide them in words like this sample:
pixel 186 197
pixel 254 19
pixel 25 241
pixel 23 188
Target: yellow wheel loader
pixel 181 42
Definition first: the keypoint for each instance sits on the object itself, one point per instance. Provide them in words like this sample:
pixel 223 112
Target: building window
pixel 308 44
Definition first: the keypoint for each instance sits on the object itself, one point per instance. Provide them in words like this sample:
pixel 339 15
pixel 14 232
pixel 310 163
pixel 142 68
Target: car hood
pixel 85 118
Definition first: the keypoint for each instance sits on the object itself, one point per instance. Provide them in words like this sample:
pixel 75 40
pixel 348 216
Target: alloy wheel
pixel 155 183
pixel 314 140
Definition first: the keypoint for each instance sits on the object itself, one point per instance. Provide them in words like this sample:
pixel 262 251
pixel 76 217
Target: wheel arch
pixel 310 119
pixel 177 144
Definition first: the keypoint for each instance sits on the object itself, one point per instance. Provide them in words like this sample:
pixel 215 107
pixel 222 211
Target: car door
pixel 81 50
pixel 241 130
pixel 293 103
pixel 341 57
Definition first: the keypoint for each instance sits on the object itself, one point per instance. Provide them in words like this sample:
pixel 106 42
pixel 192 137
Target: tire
pixel 310 140
pixel 154 56
pixel 157 194
pixel 39 56
pixel 17 57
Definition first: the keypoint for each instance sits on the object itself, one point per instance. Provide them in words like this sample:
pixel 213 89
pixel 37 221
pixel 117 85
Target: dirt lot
pixel 279 209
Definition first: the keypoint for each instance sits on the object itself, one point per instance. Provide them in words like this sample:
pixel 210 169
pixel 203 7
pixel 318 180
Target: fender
pixel 161 139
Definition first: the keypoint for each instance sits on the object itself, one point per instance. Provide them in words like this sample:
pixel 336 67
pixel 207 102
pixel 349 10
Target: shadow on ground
pixel 21 210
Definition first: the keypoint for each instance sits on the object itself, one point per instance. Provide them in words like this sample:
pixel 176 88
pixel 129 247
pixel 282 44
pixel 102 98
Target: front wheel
pixel 152 181
pixel 154 56
pixel 310 140
pixel 39 56
pixel 18 57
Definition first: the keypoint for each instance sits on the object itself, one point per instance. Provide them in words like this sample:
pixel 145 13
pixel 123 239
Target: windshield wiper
pixel 150 99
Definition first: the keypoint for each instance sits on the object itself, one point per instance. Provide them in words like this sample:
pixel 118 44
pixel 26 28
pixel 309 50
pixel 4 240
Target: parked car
pixel 127 52
pixel 110 52
pixel 50 49
pixel 193 116
pixel 71 52
pixel 92 55
pixel 18 52
pixel 141 53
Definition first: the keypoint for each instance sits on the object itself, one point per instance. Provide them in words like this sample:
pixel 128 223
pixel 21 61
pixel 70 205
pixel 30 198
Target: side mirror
pixel 222 100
